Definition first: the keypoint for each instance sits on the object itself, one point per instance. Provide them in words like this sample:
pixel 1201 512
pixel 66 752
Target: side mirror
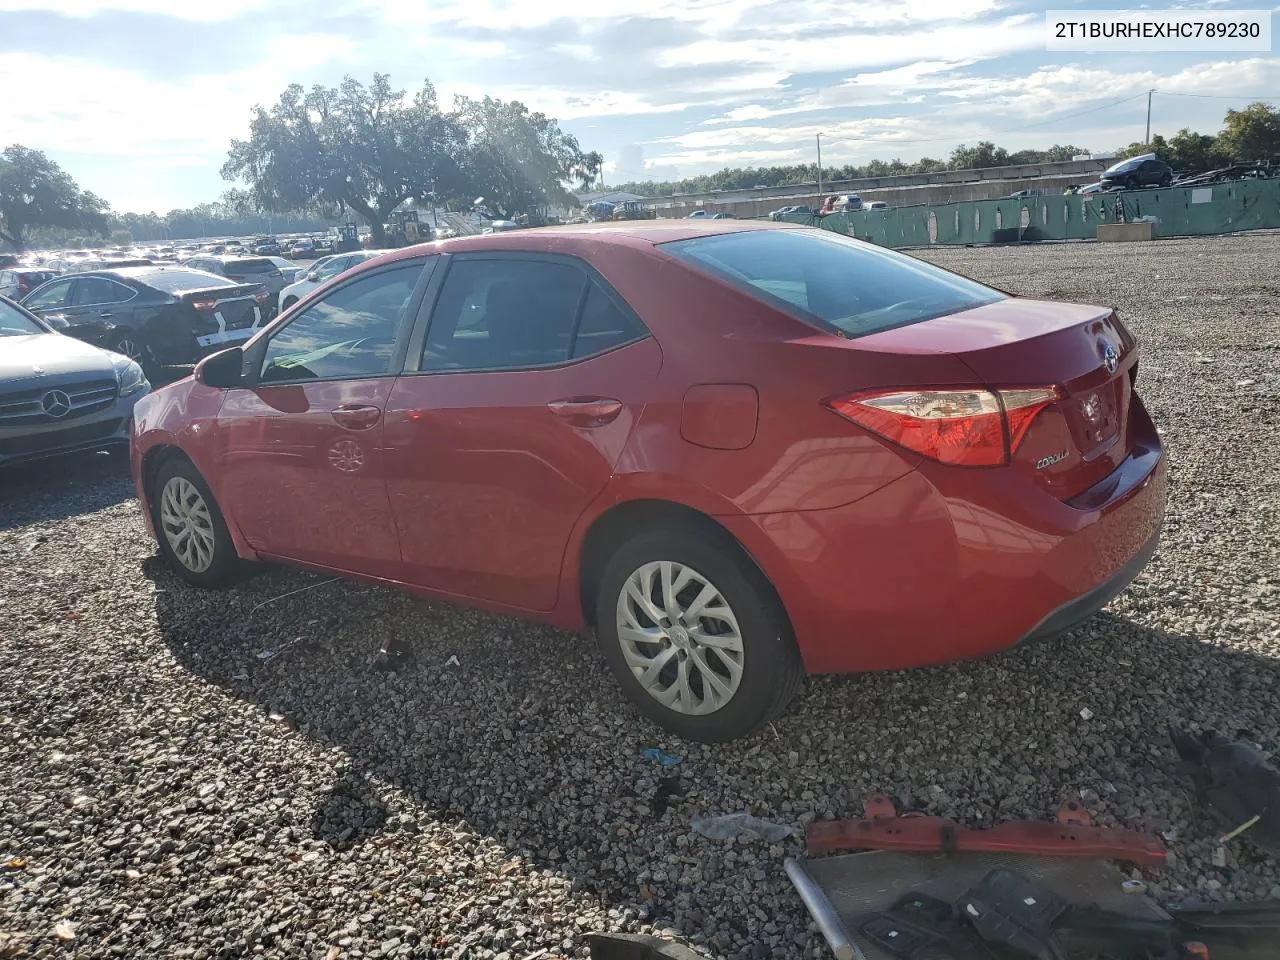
pixel 222 369
pixel 313 276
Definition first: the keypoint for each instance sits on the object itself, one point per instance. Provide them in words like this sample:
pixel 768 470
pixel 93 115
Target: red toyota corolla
pixel 734 452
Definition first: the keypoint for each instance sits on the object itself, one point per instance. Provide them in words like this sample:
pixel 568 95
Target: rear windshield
pixel 251 266
pixel 831 281
pixel 178 282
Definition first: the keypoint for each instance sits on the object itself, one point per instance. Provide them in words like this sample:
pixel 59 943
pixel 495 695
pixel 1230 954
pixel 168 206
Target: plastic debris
pixel 662 759
pixel 1086 714
pixel 1219 857
pixel 1133 886
pixel 736 824
pixel 453 661
pixel 65 930
pixel 1239 784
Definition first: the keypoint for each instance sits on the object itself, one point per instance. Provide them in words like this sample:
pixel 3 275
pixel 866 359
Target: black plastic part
pixel 920 927
pixel 1007 908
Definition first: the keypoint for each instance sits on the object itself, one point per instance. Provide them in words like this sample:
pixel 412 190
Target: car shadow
pixel 64 486
pixel 519 731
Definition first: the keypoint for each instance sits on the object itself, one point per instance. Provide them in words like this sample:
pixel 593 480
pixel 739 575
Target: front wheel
pixel 696 635
pixel 288 302
pixel 192 533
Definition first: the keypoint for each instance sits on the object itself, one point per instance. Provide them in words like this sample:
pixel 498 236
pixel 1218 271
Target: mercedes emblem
pixel 56 404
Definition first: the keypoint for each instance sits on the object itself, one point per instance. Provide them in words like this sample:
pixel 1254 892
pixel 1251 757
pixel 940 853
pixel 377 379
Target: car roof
pixel 627 233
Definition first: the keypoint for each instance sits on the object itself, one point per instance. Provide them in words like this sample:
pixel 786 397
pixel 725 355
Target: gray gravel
pixel 170 789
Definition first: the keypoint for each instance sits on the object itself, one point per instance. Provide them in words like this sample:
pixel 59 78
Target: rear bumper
pixel 946 564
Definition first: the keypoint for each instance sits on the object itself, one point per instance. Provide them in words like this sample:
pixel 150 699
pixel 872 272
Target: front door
pixel 303 473
pixel 508 423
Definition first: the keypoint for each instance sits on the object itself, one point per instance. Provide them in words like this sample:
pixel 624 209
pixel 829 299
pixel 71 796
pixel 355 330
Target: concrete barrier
pixel 1126 232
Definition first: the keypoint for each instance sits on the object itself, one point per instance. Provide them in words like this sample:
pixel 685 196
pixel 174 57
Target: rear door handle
pixel 356 416
pixel 586 411
pixel 105 314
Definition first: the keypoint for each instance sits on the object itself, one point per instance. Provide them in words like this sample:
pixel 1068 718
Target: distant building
pixel 615 196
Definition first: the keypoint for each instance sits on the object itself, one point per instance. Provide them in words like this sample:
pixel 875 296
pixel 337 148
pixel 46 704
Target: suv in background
pixel 243 270
pixel 17 282
pixel 266 247
pixel 1146 170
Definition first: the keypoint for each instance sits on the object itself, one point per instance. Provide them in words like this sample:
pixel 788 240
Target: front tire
pixel 288 302
pixel 129 344
pixel 192 533
pixel 696 635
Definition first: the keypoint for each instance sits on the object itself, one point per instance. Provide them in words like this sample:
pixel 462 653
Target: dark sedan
pixel 1146 170
pixel 58 395
pixel 155 315
pixel 261 270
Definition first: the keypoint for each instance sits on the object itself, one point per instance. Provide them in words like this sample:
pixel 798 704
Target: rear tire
pixel 711 659
pixel 288 302
pixel 128 343
pixel 192 533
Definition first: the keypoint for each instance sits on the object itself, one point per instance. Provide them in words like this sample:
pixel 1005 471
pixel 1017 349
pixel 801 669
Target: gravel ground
pixel 173 789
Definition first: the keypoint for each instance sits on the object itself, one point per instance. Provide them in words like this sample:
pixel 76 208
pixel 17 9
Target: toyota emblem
pixel 55 404
pixel 1110 359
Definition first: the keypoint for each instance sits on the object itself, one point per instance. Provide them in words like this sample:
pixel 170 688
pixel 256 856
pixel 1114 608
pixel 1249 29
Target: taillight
pixel 205 306
pixel 262 296
pixel 970 428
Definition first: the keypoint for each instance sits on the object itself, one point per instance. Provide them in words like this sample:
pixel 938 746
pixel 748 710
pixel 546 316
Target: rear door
pixel 515 405
pixel 304 466
pixel 99 306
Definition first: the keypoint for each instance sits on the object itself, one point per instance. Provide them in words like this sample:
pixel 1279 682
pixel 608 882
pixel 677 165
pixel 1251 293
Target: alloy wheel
pixel 680 638
pixel 187 524
pixel 131 348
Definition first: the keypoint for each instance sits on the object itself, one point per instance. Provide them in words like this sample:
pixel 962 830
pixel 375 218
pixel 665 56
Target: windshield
pixel 15 323
pixel 831 281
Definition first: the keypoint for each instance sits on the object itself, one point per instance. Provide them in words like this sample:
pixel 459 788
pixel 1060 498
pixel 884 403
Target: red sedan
pixel 734 452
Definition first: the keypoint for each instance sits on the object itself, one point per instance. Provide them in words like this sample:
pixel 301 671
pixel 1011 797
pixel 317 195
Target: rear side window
pixel 495 314
pixel 831 281
pixel 95 290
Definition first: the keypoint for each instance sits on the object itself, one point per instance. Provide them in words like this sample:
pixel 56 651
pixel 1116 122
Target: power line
pixel 1213 96
pixel 997 133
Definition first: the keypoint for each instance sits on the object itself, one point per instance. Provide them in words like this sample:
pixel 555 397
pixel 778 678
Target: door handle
pixel 586 411
pixel 356 416
pixel 105 314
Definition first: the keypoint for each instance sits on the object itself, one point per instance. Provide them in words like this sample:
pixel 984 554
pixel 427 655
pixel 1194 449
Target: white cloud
pixel 199 12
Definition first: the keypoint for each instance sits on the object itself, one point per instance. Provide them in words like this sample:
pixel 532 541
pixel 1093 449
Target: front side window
pixel 50 297
pixel 352 332
pixel 332 268
pixel 831 281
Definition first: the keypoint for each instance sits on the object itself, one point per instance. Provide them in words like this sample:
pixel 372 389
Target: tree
pixel 360 148
pixel 518 160
pixel 985 154
pixel 1194 151
pixel 1251 134
pixel 35 192
pixel 1158 145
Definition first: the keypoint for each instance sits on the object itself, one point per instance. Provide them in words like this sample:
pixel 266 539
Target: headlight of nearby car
pixel 129 376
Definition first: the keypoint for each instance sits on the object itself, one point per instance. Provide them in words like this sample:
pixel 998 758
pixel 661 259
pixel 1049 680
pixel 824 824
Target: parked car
pixel 302 248
pixel 323 245
pixel 17 282
pixel 798 211
pixel 58 394
pixel 243 270
pixel 699 215
pixel 153 315
pixel 846 203
pixel 1142 171
pixel 266 247
pixel 573 426
pixel 323 270
pixel 875 205
pixel 289 271
pixel 723 216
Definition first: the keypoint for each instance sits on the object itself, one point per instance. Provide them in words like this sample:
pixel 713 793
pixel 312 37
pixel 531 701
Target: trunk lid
pixel 1083 350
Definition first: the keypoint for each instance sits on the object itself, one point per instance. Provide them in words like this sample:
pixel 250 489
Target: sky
pixel 138 99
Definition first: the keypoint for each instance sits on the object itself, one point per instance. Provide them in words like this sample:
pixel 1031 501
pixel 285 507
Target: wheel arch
pixel 617 524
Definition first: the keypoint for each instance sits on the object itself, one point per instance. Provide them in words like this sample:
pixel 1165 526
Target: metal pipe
pixel 823 913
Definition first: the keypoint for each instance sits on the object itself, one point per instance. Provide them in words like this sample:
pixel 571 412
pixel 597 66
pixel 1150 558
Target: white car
pixel 326 268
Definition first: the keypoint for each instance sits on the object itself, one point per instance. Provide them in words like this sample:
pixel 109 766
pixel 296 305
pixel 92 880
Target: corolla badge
pixel 1110 359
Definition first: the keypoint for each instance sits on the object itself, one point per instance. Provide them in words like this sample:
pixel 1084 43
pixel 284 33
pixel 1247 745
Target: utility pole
pixel 1148 140
pixel 819 138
